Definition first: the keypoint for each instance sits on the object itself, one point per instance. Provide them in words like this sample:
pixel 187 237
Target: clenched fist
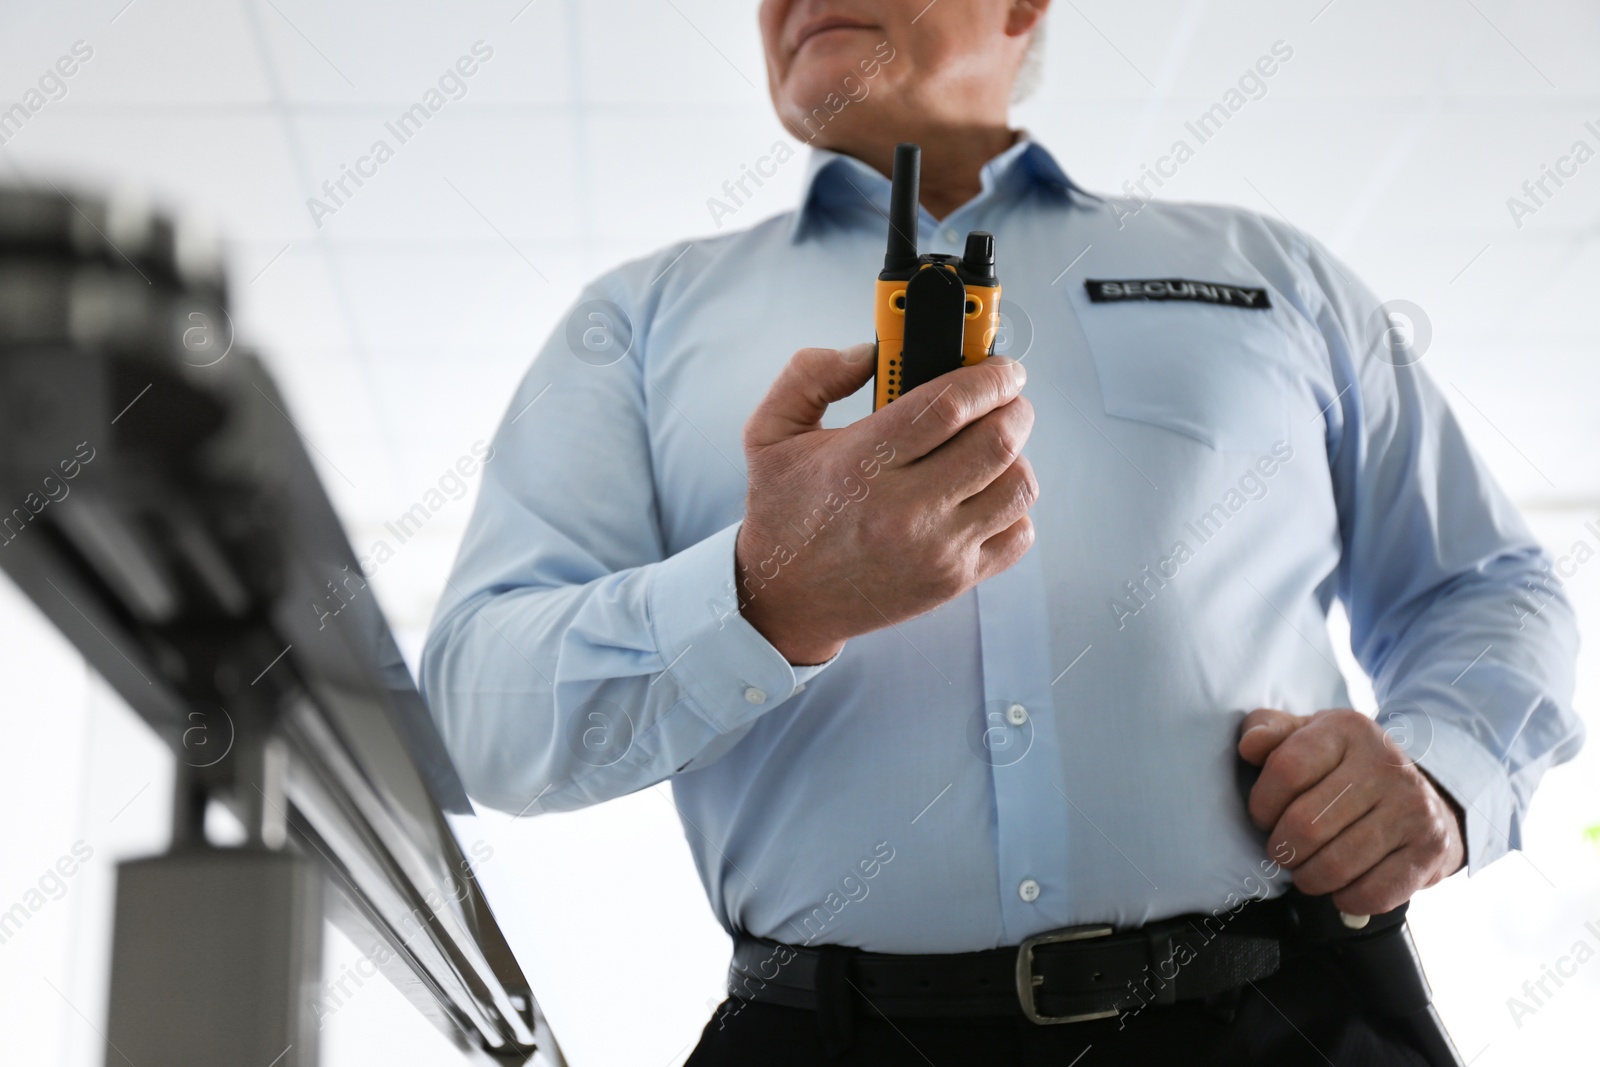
pixel 1365 823
pixel 850 530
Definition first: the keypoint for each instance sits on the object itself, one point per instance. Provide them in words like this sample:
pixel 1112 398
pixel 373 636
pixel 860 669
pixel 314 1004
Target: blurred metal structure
pixel 158 504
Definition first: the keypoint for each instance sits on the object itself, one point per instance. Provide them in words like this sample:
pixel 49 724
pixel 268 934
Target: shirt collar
pixel 835 179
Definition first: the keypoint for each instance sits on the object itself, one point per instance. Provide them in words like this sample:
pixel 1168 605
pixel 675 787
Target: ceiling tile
pixel 233 172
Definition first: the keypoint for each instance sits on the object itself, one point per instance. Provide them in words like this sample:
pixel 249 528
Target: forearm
pixel 1479 689
pixel 551 697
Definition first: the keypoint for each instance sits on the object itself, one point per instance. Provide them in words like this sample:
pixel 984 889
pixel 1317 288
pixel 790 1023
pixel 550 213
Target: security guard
pixel 964 700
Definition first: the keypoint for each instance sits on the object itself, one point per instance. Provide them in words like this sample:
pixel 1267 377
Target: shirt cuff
pixel 728 670
pixel 802 675
pixel 1463 768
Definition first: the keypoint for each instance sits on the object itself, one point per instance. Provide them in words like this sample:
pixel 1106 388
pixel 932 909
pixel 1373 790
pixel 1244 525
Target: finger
pixel 1302 760
pixel 811 380
pixel 980 453
pixel 1321 813
pixel 1390 883
pixel 1351 853
pixel 1264 730
pixel 1005 548
pixel 936 411
pixel 1001 503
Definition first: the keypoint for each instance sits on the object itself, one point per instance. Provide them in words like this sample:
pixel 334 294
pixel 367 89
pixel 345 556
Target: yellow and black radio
pixel 934 312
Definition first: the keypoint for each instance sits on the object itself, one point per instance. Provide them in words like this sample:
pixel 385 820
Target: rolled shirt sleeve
pixel 572 659
pixel 1437 575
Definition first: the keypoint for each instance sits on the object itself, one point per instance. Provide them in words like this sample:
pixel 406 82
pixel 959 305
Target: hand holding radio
pixel 850 530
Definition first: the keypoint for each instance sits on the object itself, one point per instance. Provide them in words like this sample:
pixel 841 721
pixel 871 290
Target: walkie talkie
pixel 933 312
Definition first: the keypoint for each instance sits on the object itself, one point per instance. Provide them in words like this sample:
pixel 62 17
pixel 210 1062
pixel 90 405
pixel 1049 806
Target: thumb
pixel 811 380
pixel 1264 730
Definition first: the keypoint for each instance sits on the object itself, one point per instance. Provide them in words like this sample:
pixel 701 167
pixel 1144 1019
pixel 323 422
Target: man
pixel 937 679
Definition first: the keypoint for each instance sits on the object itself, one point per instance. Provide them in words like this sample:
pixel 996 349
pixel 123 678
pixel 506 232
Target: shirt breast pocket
pixel 1219 375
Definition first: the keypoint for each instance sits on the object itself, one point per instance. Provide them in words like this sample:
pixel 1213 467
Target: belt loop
pixel 836 1006
pixel 1163 963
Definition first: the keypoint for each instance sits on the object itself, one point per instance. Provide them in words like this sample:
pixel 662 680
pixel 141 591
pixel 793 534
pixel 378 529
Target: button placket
pixel 1031 816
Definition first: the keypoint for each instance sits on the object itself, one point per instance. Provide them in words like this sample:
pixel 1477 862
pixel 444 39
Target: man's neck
pixel 952 160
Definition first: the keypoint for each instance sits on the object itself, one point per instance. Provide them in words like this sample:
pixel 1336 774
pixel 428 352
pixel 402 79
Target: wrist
pixel 796 644
pixel 766 603
pixel 1455 810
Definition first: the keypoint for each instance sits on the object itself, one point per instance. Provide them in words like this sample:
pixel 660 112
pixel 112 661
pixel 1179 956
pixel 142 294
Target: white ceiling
pixel 598 129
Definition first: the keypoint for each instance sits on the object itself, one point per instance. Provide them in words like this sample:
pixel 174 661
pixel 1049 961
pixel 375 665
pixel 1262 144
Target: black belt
pixel 1069 975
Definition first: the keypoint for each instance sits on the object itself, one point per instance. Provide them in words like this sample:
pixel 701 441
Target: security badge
pixel 1219 293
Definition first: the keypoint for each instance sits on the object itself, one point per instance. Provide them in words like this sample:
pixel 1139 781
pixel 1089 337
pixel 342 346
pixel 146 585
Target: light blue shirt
pixel 1055 746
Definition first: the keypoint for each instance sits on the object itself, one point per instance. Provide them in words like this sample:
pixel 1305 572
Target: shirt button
pixel 1028 890
pixel 1016 715
pixel 801 688
pixel 755 696
pixel 950 235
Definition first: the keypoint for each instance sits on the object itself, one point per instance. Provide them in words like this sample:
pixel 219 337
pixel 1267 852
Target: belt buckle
pixel 1027 981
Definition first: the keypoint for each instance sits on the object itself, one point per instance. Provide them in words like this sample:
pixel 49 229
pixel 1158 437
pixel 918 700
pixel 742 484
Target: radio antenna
pixel 901 255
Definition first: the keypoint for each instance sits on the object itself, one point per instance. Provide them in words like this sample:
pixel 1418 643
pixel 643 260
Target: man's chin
pixel 826 100
pixel 831 63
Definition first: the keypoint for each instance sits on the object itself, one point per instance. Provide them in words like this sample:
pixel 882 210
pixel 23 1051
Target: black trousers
pixel 1306 1013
